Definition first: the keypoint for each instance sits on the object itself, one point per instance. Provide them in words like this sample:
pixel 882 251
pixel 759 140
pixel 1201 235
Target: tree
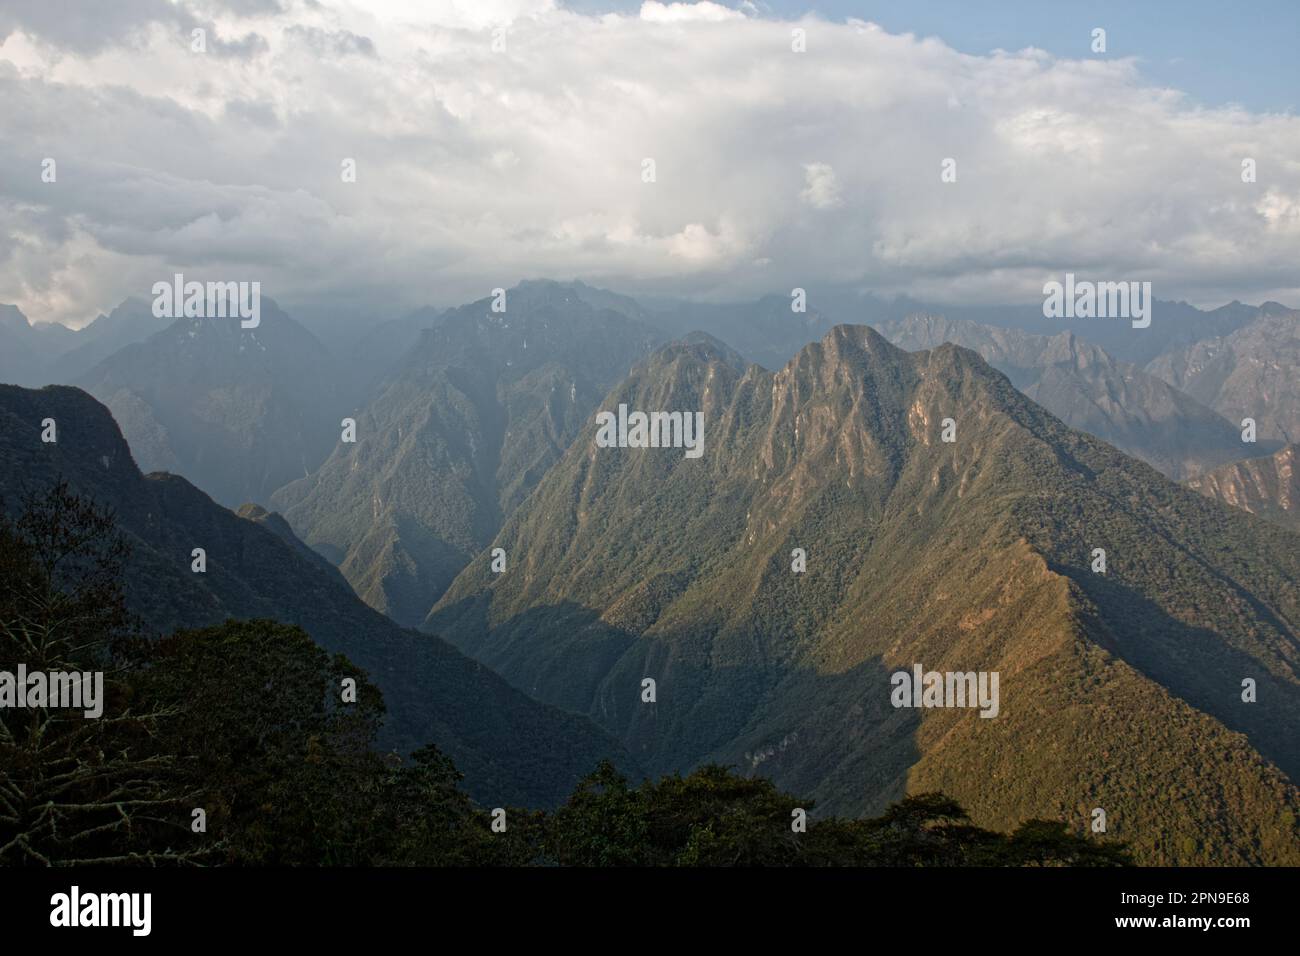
pixel 603 823
pixel 76 789
pixel 280 762
pixel 1048 843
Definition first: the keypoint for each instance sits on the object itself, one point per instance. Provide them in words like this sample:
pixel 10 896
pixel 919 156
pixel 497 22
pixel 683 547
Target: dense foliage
pixel 249 722
pixel 509 747
pixel 1122 690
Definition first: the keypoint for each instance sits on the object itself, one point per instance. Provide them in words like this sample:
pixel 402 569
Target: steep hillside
pixel 1248 373
pixel 1083 386
pixel 460 434
pixel 510 748
pixel 1267 486
pixel 238 411
pixel 1120 691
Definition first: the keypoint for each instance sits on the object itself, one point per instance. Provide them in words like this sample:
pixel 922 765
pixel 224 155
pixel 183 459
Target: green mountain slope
pixel 459 435
pixel 1120 691
pixel 511 749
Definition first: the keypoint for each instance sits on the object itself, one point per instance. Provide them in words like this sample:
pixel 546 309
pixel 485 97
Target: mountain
pixel 17 351
pixel 1246 373
pixel 1267 486
pixel 1087 389
pixel 132 321
pixel 766 331
pixel 33 355
pixel 240 411
pixel 274 522
pixel 457 436
pixel 26 349
pixel 510 748
pixel 1119 690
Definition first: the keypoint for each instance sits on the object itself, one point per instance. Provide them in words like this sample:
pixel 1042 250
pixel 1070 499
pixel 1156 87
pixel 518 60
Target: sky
pixel 1215 52
pixel 498 140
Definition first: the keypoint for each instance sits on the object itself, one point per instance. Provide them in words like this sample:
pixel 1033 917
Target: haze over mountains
pixel 508 746
pixel 474 431
pixel 1083 386
pixel 458 435
pixel 35 355
pixel 248 409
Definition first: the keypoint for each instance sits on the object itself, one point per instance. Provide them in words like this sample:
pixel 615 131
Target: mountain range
pixel 1081 384
pixel 1121 690
pixel 1247 373
pixel 510 748
pixel 460 433
pixel 52 353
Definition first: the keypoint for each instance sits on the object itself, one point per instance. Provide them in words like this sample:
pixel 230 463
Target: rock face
pixel 1086 388
pixel 1249 373
pixel 1119 690
pixel 509 747
pixel 1268 486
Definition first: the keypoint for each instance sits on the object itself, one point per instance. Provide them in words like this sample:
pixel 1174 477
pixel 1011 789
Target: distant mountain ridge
pixel 239 411
pixel 1082 385
pixel 512 750
pixel 458 435
pixel 768 330
pixel 1250 372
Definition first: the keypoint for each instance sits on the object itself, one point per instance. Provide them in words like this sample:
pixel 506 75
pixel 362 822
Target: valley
pixel 863 510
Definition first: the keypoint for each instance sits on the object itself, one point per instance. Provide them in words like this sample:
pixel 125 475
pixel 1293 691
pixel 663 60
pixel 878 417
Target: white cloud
pixel 703 11
pixel 821 188
pixel 476 168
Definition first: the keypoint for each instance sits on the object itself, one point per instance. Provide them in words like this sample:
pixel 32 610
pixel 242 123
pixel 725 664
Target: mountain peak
pixel 704 347
pixel 256 569
pixel 963 544
pixel 11 317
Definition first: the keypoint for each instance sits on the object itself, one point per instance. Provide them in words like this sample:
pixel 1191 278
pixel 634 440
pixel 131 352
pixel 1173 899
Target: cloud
pixel 478 166
pixel 337 43
pixel 83 27
pixel 86 29
pixel 703 11
pixel 821 188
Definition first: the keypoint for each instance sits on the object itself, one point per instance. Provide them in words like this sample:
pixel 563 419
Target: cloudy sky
pixel 496 140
